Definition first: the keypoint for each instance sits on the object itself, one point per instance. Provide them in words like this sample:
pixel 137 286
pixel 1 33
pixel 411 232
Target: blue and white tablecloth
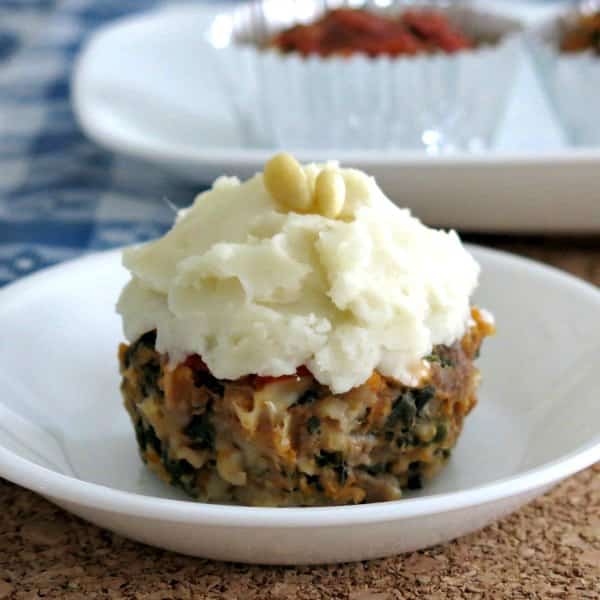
pixel 60 194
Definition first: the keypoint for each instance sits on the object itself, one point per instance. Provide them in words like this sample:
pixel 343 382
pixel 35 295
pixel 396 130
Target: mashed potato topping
pixel 256 288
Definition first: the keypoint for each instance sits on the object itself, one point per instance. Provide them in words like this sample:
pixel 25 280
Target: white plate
pixel 162 104
pixel 64 433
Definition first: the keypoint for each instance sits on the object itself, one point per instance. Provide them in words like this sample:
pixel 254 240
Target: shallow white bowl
pixel 64 434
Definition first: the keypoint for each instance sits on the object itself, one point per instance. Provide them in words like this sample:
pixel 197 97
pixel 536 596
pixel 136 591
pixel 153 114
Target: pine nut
pixel 286 182
pixel 330 193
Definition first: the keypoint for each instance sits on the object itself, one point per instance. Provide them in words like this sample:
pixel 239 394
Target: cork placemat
pixel 548 549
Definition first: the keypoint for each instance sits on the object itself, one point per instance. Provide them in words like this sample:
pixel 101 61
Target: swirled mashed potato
pixel 255 289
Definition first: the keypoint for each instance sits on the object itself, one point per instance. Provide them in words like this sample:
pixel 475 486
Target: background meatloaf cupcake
pixel 321 75
pixel 566 50
pixel 297 339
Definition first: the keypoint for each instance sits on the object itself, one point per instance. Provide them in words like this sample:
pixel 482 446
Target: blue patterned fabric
pixel 60 194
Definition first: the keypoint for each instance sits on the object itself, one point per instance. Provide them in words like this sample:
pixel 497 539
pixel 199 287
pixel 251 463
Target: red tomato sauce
pixel 195 362
pixel 344 32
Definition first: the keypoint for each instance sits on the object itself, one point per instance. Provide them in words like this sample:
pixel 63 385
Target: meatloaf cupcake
pixel 349 74
pixel 297 339
pixel 566 49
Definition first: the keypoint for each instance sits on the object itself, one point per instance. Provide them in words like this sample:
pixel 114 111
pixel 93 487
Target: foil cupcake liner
pixel 436 102
pixel 570 80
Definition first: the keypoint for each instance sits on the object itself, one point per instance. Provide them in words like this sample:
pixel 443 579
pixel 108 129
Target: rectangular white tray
pixel 530 181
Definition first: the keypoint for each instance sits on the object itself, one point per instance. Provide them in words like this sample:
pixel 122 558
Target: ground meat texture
pixel 289 441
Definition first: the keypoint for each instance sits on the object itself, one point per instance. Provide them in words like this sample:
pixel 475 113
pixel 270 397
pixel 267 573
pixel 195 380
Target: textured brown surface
pixel 549 549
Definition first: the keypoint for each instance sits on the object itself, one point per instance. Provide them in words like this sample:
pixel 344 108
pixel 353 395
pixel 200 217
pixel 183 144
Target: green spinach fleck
pixel 314 480
pixel 404 441
pixel 150 376
pixel 404 410
pixel 307 397
pixel 140 434
pixel 422 396
pixel 153 440
pixel 181 472
pixel 377 469
pixel 201 431
pixel 440 433
pixel 414 482
pixel 336 461
pixel 313 425
pixel 443 361
pixel 326 458
pixel 342 473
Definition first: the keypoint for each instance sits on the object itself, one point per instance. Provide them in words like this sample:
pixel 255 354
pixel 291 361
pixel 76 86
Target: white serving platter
pixel 65 434
pixel 144 86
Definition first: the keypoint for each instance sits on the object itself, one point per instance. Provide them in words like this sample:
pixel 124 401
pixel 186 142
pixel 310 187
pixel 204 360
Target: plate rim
pixel 101 497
